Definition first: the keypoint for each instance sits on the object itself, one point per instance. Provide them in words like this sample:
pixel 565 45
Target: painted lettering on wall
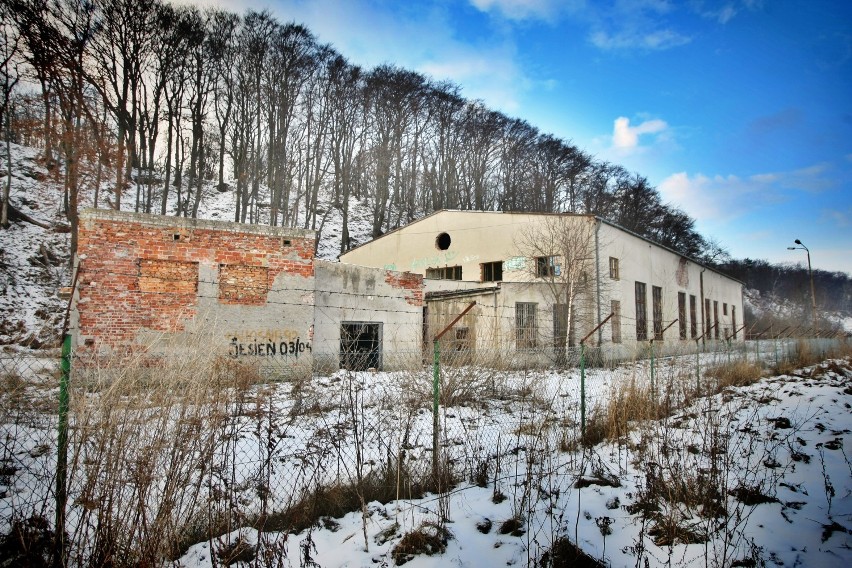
pixel 270 343
pixel 515 263
pixel 436 260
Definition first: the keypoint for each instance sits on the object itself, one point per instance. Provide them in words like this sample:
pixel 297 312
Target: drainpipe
pixel 598 276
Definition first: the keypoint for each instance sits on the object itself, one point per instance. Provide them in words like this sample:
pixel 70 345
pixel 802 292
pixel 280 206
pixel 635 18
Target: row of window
pixel 545 267
pixel 712 329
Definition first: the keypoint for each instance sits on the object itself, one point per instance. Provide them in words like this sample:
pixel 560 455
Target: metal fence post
pixel 697 367
pixel 62 454
pixel 653 387
pixel 436 395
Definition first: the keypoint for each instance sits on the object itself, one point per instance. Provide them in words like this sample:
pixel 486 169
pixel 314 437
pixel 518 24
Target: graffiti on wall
pixel 270 343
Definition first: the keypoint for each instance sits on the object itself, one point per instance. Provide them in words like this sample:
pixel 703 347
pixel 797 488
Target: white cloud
pixel 626 137
pixel 722 198
pixel 638 39
pixel 521 9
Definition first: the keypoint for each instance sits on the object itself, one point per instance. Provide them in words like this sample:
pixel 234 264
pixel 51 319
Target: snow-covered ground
pixel 781 441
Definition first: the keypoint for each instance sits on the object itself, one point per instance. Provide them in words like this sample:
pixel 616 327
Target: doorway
pixel 360 346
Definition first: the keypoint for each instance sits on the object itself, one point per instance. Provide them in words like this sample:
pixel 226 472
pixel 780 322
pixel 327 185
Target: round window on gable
pixel 443 241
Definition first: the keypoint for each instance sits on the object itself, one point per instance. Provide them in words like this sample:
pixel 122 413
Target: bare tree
pixel 9 77
pixel 560 253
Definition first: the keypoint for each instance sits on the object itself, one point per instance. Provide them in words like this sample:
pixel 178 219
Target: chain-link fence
pixel 163 454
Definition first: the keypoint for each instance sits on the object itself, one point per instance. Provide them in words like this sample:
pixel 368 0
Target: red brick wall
pixel 412 283
pixel 137 272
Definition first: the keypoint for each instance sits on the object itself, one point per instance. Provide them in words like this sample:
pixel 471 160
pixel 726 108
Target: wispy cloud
pixel 723 198
pixel 842 219
pixel 546 10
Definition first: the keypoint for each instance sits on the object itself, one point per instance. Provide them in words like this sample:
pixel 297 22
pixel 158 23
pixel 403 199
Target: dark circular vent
pixel 443 241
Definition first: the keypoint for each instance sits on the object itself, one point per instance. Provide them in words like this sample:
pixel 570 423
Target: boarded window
pixel 707 325
pixel 168 276
pixel 560 325
pixel 239 284
pixel 641 312
pixel 526 324
pixel 724 309
pixel 445 273
pixel 492 271
pixel 681 313
pixel 615 308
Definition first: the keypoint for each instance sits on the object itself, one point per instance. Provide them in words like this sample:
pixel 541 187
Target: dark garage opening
pixel 360 346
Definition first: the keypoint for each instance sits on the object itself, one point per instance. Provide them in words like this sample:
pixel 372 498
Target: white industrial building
pixel 547 280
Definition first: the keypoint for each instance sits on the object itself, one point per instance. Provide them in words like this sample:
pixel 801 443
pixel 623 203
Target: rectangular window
pixel 681 314
pixel 445 273
pixel 492 271
pixel 724 309
pixel 615 308
pixel 360 346
pixel 613 268
pixel 641 312
pixel 716 319
pixel 526 326
pixel 546 267
pixel 657 298
pixel 734 320
pixel 693 317
pixel 560 325
pixel 707 325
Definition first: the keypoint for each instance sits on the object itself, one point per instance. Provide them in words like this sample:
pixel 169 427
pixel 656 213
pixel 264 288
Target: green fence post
pixel 583 390
pixel 653 386
pixel 62 454
pixel 436 394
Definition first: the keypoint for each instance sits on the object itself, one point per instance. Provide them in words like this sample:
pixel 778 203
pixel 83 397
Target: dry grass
pixel 736 374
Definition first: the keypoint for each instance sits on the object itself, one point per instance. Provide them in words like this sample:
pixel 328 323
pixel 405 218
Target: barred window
pixel 492 271
pixel 526 324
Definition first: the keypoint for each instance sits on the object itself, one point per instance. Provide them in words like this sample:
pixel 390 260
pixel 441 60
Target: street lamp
pixel 811 274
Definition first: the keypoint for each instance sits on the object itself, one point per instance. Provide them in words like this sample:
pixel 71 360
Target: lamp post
pixel 811 274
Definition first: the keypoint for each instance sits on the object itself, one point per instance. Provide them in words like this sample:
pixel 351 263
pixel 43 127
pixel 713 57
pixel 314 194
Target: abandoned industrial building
pixel 532 284
pixel 547 281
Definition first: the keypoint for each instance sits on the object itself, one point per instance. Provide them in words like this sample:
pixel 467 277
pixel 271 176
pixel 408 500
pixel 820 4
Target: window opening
pixel 443 241
pixel 615 308
pixel 681 313
pixel 360 346
pixel 546 267
pixel 734 320
pixel 492 271
pixel 526 326
pixel 445 273
pixel 716 319
pixel 613 268
pixel 641 312
pixel 693 317
pixel 657 298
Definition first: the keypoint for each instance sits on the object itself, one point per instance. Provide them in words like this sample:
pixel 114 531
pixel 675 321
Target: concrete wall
pixel 347 293
pixel 162 284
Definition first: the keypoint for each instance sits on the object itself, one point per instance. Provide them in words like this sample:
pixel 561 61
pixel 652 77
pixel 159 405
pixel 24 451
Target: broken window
pixel 360 346
pixel 445 273
pixel 526 325
pixel 546 267
pixel 492 271
pixel 681 314
pixel 443 241
pixel 641 312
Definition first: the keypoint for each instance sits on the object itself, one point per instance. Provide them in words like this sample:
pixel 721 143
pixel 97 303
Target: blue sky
pixel 739 111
